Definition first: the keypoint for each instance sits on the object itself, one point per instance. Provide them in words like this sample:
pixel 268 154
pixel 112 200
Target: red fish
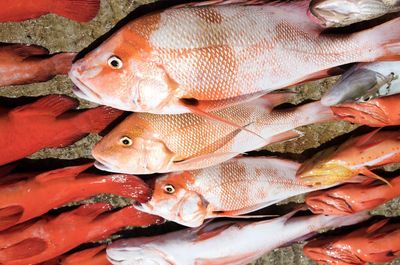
pixel 45 123
pixel 378 243
pixel 30 198
pixel 378 112
pixel 20 10
pixel 24 64
pixel 90 256
pixel 352 198
pixel 37 241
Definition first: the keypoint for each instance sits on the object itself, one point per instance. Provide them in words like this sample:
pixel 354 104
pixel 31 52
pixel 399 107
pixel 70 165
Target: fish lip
pixel 82 90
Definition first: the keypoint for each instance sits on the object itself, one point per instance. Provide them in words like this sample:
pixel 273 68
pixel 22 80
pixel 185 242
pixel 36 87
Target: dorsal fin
pixel 62 173
pixel 363 141
pixel 365 171
pixel 376 226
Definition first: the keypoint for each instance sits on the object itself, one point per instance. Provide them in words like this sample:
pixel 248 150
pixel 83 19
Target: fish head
pixel 356 85
pixel 330 202
pixel 122 73
pixel 323 169
pixel 132 148
pixel 173 200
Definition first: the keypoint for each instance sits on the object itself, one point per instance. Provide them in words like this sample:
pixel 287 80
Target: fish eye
pixel 169 189
pixel 114 62
pixel 126 141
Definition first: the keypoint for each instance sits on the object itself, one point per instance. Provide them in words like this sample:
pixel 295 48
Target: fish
pixel 341 13
pixel 32 197
pixel 91 256
pixel 378 112
pixel 146 143
pixel 39 240
pixel 181 60
pixel 363 82
pixel 26 64
pixel 357 155
pixel 238 186
pixel 48 122
pixel 224 242
pixel 20 10
pixel 378 243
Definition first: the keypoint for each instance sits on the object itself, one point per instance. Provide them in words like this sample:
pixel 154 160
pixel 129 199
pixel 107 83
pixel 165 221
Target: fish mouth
pixel 83 91
pixel 106 166
pixel 329 205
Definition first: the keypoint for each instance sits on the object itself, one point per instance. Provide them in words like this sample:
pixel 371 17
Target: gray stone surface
pixel 60 34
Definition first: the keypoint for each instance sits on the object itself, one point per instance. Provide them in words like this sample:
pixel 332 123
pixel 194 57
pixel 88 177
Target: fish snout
pixel 325 203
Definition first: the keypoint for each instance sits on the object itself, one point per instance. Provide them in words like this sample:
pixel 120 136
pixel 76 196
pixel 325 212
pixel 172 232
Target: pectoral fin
pixel 237 213
pixel 203 161
pixel 365 171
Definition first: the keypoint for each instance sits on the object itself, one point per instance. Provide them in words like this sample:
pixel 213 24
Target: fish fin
pixel 371 174
pixel 205 232
pixel 10 215
pixel 78 10
pixel 92 210
pixel 52 106
pixel 285 136
pixel 26 248
pixel 376 226
pixel 62 62
pixel 84 255
pixel 238 213
pixel 26 51
pixel 276 98
pixel 221 3
pixel 203 161
pixel 67 172
pixel 363 141
pixel 319 75
pixel 97 119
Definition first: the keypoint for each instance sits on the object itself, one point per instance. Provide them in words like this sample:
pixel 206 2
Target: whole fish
pixel 352 198
pixel 46 123
pixel 148 143
pixel 238 186
pixel 37 241
pixel 227 242
pixel 25 64
pixel 180 59
pixel 20 10
pixel 33 197
pixel 377 243
pixel 364 82
pixel 340 13
pixel 378 112
pixel 355 156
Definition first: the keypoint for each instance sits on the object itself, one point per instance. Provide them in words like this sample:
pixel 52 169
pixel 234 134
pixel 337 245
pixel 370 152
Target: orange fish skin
pixel 378 243
pixel 221 52
pixel 378 112
pixel 352 198
pixel 26 199
pixel 20 10
pixel 44 239
pixel 355 156
pixel 25 64
pixel 90 256
pixel 46 123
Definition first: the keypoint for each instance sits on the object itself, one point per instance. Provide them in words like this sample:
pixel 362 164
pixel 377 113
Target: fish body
pixel 48 123
pixel 355 156
pixel 165 143
pixel 44 239
pixel 26 199
pixel 364 82
pixel 378 112
pixel 340 13
pixel 218 53
pixel 352 198
pixel 217 243
pixel 378 243
pixel 20 10
pixel 25 64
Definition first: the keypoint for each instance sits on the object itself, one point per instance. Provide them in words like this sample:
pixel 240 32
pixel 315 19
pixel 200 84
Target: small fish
pixel 46 123
pixel 25 64
pixel 355 156
pixel 378 243
pixel 364 82
pixel 48 237
pixel 26 199
pixel 340 13
pixel 181 60
pixel 20 10
pixel 352 198
pixel 149 143
pixel 378 112
pixel 226 242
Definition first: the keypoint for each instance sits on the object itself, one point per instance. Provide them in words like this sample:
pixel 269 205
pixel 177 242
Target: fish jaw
pixel 326 202
pixel 334 13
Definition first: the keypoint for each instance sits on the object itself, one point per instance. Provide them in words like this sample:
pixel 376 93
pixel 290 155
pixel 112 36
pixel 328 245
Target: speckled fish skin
pixel 355 156
pixel 166 143
pixel 216 53
pixel 217 243
pixel 340 13
pixel 364 82
pixel 25 64
pixel 378 243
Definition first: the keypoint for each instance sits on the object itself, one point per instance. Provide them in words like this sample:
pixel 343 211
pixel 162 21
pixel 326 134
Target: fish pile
pixel 186 92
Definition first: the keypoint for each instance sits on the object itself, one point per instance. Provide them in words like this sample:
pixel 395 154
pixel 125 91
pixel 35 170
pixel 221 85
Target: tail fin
pixel 62 62
pixel 10 216
pixel 315 112
pixel 78 10
pixel 97 119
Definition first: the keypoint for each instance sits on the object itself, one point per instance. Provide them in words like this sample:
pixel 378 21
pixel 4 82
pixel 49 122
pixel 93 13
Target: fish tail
pixel 97 119
pixel 315 112
pixel 62 62
pixel 78 10
pixel 10 216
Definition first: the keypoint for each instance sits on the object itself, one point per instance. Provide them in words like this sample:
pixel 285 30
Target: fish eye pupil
pixel 169 188
pixel 126 141
pixel 115 62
